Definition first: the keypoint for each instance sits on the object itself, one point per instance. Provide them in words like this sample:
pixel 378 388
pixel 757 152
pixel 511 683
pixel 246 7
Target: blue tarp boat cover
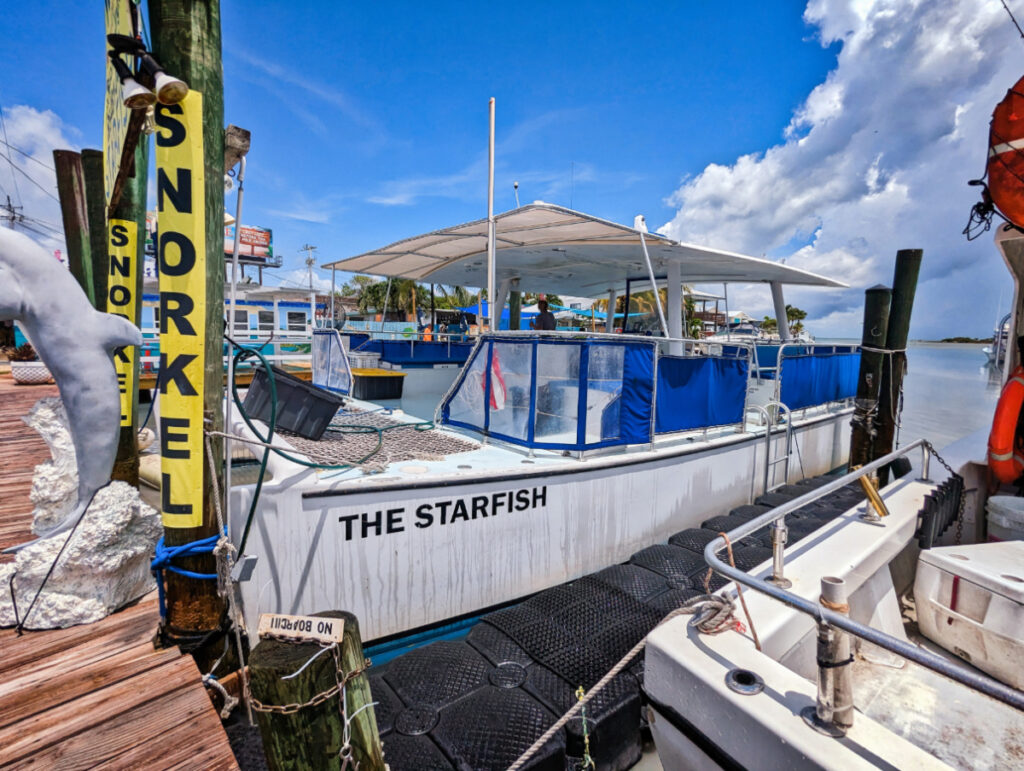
pixel 818 378
pixel 699 392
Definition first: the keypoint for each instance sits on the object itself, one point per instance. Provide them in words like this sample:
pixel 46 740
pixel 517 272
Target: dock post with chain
pixel 306 687
pixel 904 287
pixel 872 355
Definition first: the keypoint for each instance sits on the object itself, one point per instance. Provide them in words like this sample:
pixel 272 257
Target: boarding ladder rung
pixel 772 414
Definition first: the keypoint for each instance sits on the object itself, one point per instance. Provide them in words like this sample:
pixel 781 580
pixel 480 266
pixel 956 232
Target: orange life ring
pixel 1006 155
pixel 1005 449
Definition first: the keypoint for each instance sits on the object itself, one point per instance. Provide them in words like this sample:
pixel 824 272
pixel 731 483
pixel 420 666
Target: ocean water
pixel 949 392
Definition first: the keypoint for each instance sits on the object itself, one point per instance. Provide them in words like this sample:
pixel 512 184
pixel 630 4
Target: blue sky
pixel 729 124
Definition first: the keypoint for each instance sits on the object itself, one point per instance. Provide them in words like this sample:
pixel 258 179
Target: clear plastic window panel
pixel 557 405
pixel 510 389
pixel 467 403
pixel 330 365
pixel 604 393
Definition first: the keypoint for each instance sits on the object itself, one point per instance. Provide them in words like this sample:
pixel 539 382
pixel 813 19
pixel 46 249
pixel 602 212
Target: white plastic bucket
pixel 1005 518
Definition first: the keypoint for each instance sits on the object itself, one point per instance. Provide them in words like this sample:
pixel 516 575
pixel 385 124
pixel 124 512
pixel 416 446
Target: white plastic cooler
pixel 970 600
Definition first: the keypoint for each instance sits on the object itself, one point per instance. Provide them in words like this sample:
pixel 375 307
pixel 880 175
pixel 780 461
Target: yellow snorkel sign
pixel 122 246
pixel 181 264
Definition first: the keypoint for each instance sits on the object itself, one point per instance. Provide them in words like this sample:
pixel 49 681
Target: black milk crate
pixel 302 408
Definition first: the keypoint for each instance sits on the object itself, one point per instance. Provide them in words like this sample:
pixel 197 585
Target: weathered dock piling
pixel 187 41
pixel 129 213
pixel 877 300
pixel 71 189
pixel 904 286
pixel 96 213
pixel 297 684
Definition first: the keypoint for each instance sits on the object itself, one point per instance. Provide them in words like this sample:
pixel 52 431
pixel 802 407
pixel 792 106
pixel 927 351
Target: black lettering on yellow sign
pixel 180 185
pixel 446 512
pixel 122 246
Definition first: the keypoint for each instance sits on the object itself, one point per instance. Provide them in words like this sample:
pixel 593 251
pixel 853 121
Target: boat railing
pixel 412 339
pixel 776 586
pixel 686 363
pixel 830 375
pixel 278 346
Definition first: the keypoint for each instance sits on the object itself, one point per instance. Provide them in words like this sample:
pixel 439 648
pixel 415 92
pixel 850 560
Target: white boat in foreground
pixel 884 642
pixel 554 455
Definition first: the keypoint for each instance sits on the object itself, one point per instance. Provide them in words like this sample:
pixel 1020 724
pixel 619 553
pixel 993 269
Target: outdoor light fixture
pixel 135 95
pixel 168 89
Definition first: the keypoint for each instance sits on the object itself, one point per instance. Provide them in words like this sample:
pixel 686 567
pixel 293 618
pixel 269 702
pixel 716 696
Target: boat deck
pixel 95 696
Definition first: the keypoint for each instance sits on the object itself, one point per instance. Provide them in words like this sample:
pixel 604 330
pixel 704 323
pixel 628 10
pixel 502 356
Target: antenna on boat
pixel 490 225
pixel 515 188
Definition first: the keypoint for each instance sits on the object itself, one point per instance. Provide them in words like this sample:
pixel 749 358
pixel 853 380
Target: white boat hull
pixel 419 553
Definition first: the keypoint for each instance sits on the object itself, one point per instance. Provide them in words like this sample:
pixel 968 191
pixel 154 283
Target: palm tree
pixel 458 297
pixel 795 318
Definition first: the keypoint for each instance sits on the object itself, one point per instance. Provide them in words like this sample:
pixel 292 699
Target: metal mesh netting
pixel 401 442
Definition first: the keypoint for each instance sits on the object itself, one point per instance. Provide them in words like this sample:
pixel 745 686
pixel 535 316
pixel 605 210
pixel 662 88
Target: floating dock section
pixel 479 703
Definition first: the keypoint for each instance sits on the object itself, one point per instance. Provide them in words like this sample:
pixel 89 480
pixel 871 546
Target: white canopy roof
pixel 552 249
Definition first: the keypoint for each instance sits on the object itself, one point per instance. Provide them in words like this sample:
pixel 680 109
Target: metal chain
pixel 587 761
pixel 963 491
pixel 341 680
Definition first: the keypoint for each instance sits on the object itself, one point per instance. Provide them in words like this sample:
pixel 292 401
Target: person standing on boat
pixel 545 320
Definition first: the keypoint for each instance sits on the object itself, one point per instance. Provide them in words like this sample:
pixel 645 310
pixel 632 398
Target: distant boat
pixel 996 352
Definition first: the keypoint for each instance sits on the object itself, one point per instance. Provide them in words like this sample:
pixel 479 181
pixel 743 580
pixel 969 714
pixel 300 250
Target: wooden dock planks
pixel 94 696
pixel 21 449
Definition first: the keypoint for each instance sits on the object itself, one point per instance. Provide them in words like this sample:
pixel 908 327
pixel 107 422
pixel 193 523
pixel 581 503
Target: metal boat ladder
pixel 772 414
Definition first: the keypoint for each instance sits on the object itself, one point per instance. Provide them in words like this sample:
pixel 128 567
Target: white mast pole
pixel 233 299
pixel 490 225
pixel 641 227
pixel 333 271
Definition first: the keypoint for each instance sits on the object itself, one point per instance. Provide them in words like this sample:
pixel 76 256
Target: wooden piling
pixel 904 287
pixel 71 191
pixel 96 212
pixel 312 737
pixel 865 424
pixel 131 206
pixel 187 42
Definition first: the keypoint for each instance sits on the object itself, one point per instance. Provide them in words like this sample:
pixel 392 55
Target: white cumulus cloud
pixel 26 171
pixel 876 159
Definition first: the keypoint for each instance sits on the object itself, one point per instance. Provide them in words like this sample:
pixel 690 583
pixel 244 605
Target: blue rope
pixel 162 561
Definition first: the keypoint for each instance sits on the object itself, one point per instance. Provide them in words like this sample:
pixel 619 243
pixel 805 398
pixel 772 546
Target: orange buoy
pixel 1006 155
pixel 1005 447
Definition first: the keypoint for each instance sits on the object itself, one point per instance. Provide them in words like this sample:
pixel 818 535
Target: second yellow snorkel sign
pixel 181 264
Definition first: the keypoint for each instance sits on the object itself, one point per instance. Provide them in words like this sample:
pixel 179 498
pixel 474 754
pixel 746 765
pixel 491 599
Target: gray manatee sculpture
pixel 76 342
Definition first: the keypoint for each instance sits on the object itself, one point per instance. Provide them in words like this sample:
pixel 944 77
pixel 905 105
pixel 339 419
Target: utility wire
pixel 43 224
pixel 21 223
pixel 28 177
pixel 1019 30
pixel 3 125
pixel 27 155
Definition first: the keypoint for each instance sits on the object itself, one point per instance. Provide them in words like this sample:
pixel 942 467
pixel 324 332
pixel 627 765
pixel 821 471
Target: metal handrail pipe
pixel 977 681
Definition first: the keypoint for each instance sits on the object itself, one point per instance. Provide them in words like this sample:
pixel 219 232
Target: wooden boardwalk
pixel 100 695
